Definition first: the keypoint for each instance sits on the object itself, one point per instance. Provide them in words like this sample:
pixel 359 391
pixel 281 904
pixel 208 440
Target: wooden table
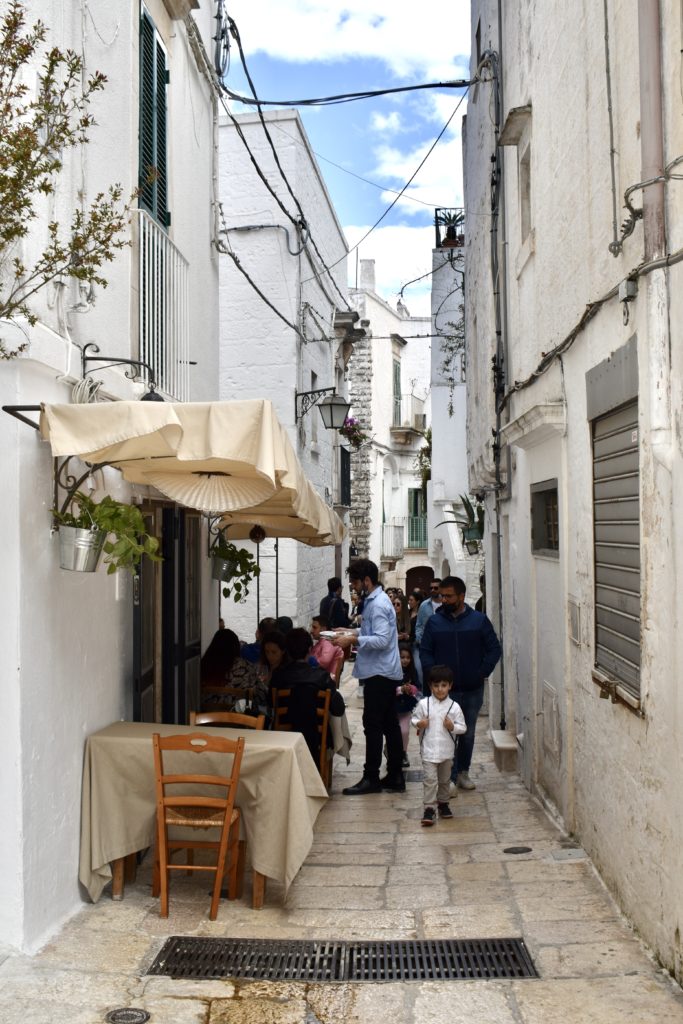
pixel 280 794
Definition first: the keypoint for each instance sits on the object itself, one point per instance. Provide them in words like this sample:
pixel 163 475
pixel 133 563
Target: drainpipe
pixel 654 228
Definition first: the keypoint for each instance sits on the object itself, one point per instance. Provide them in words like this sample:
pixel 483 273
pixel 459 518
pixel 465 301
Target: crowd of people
pixel 421 661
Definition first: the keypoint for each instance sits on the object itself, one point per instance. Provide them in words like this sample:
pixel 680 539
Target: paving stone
pixel 548 870
pixel 156 986
pixel 463 1003
pixel 485 872
pixel 351 855
pixel 564 932
pixel 258 1011
pixel 471 921
pixel 378 1004
pixel 324 827
pixel 361 875
pixel 582 908
pixel 592 960
pixel 99 950
pixel 361 898
pixel 624 1000
pixel 417 895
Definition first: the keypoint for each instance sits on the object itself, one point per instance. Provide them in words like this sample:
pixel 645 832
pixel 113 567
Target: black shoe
pixel 406 762
pixel 428 817
pixel 445 811
pixel 361 788
pixel 393 783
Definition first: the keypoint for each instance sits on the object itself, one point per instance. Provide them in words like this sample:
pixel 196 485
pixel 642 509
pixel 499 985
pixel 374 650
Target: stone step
pixel 504 750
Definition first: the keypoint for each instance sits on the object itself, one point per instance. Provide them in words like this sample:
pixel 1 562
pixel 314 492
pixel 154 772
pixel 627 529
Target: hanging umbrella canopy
pixel 218 457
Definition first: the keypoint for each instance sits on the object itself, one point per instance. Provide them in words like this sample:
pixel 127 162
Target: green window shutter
pixel 153 166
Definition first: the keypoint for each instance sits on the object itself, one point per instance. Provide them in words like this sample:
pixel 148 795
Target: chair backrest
pixel 281 700
pixel 196 743
pixel 230 718
pixel 338 669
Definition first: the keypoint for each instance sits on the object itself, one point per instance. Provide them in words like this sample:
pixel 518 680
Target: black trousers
pixel 381 722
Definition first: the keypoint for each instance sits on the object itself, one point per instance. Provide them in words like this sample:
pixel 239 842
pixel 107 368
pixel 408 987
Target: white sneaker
pixel 453 790
pixel 464 781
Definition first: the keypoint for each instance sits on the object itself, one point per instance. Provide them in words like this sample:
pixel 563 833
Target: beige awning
pixel 225 458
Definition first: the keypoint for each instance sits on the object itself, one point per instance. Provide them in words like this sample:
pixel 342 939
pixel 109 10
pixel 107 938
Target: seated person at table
pixel 305 680
pixel 252 652
pixel 327 654
pixel 222 665
pixel 273 654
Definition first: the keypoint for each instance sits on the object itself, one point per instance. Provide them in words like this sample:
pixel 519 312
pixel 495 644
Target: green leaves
pixel 35 132
pixel 243 565
pixel 125 523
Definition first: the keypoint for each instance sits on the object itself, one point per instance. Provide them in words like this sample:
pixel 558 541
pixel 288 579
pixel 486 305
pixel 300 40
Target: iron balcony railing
pixel 449 224
pixel 164 309
pixel 392 540
pixel 416 532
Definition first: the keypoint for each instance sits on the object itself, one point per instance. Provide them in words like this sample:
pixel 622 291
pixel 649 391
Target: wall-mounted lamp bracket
pixel 305 400
pixel 110 361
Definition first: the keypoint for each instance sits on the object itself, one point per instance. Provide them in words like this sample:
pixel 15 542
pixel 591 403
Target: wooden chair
pixel 195 810
pixel 232 718
pixel 338 671
pixel 280 700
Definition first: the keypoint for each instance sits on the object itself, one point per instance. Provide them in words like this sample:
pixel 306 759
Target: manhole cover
pixel 517 849
pixel 331 961
pixel 127 1015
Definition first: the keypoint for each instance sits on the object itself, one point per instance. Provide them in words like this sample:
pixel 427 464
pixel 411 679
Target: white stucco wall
pixel 606 769
pixel 262 357
pixel 66 638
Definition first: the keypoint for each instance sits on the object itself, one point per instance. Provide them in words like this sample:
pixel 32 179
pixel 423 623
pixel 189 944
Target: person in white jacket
pixel 438 720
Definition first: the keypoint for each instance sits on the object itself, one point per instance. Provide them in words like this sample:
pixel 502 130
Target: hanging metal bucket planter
pixel 223 569
pixel 80 550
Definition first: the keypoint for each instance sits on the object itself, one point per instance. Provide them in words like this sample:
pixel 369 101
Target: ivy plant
pixel 120 521
pixel 243 566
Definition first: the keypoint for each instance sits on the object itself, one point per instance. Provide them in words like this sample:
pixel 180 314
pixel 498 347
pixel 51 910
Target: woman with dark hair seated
pixel 222 665
pixel 304 680
pixel 273 655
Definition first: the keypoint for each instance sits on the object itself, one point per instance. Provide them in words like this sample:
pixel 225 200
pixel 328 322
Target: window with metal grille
pixel 153 166
pixel 545 535
pixel 344 476
pixel 616 519
pixel 396 421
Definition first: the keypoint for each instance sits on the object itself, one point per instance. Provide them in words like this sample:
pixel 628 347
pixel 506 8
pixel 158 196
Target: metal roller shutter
pixel 616 518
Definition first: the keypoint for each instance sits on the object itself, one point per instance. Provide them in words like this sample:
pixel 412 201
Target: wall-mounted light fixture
pixel 333 407
pixel 357 520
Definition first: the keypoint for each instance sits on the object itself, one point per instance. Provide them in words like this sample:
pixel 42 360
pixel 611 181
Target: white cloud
pixel 386 123
pixel 410 41
pixel 400 254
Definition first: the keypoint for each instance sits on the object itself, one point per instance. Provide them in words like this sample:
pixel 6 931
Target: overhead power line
pixel 349 97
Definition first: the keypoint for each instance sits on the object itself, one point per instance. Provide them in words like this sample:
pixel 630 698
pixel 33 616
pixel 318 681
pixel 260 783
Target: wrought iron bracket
pixel 213 533
pixel 305 400
pixel 66 483
pixel 18 412
pixel 115 361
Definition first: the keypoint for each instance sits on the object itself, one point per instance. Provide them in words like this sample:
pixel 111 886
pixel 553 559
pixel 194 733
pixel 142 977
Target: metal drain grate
pixel 280 960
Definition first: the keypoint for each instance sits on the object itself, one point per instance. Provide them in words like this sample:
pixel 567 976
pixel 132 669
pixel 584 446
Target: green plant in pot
pixel 115 527
pixel 471 524
pixel 235 566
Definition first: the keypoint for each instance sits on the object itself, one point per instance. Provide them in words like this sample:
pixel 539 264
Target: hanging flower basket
pixel 352 432
pixel 223 568
pixel 80 549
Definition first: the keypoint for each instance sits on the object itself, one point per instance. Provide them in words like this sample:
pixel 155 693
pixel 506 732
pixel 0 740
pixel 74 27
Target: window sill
pixel 525 252
pixel 613 690
pixel 546 553
pixel 178 10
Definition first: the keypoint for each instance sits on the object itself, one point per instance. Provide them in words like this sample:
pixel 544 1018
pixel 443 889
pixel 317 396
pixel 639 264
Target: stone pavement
pixel 373 872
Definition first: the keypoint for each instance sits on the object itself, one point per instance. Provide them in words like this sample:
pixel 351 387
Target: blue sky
pixel 305 48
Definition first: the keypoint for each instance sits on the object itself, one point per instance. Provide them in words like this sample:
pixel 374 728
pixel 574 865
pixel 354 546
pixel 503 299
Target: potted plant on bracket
pixel 85 527
pixel 235 566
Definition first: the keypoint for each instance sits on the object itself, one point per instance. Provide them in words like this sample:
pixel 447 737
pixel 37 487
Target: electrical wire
pixel 236 35
pixel 446 263
pixel 350 97
pixel 409 182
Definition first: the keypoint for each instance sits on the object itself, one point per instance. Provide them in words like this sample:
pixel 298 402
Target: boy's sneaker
pixel 445 811
pixel 464 781
pixel 406 762
pixel 429 816
pixel 453 790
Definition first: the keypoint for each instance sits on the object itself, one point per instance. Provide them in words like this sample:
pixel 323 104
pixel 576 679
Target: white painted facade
pixel 449 443
pixel 394 411
pixel 66 638
pixel 261 356
pixel 610 767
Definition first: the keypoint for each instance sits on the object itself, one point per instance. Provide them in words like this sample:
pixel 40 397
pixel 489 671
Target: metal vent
pixel 280 960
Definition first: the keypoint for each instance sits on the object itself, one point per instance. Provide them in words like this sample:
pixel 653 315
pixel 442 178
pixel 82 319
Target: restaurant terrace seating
pixel 193 809
pixel 229 718
pixel 281 700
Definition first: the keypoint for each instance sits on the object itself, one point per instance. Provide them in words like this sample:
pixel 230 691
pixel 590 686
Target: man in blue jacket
pixel 458 636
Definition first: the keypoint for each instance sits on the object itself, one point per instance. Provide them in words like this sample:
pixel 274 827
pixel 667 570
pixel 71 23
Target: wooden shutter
pixel 616 513
pixel 153 167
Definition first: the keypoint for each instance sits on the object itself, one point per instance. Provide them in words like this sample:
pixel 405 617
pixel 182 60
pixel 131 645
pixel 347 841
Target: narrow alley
pixel 373 872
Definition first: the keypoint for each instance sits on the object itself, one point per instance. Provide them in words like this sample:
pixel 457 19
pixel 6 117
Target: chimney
pixel 367 275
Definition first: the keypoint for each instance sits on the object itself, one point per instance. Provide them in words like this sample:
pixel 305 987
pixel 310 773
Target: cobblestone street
pixel 373 872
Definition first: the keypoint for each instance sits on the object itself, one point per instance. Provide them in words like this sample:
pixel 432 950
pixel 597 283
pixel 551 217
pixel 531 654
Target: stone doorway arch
pixel 419 578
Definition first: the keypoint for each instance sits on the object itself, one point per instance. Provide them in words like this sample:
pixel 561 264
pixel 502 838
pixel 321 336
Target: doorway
pixel 167 619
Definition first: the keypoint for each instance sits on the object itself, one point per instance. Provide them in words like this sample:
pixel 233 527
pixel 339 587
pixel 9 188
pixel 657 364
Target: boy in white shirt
pixel 438 720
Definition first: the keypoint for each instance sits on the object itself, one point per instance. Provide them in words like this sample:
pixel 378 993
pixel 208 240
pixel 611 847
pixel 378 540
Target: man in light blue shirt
pixel 378 666
pixel 427 609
